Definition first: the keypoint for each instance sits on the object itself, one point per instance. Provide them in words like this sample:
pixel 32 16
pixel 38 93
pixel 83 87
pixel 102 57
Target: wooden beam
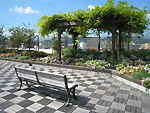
pixel 68 24
pixel 113 44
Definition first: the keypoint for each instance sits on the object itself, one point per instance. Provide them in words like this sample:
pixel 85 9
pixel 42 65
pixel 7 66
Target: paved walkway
pixel 97 93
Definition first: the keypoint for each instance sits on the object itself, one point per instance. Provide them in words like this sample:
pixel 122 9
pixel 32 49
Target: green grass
pixel 141 75
pixel 24 57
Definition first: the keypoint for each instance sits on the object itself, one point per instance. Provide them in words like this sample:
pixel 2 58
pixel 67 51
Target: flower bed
pixel 136 69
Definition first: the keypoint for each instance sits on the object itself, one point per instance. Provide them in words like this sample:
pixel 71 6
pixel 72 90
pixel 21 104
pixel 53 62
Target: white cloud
pixel 148 16
pixel 24 10
pixel 7 33
pixel 91 7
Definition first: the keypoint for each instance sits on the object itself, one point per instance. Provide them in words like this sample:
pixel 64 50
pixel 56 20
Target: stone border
pixel 124 78
pixel 58 65
pixel 132 84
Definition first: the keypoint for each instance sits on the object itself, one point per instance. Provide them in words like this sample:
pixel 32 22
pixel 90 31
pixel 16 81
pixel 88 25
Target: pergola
pixel 62 25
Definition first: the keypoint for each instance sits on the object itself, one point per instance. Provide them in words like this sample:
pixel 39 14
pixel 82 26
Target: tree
pixel 29 36
pixel 16 37
pixel 49 24
pixel 81 29
pixel 3 38
pixel 121 17
pixel 20 36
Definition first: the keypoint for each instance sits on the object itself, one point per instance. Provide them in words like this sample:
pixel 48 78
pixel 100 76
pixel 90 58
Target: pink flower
pixel 142 82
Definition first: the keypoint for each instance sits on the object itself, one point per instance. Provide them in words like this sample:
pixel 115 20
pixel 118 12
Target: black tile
pixel 10 96
pixel 68 109
pixel 104 103
pixel 25 111
pixel 110 93
pixel 5 105
pixel 45 101
pixel 120 100
pixel 46 110
pixel 25 103
pixel 27 95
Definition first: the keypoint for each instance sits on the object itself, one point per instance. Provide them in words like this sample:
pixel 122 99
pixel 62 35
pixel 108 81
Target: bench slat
pixel 42 74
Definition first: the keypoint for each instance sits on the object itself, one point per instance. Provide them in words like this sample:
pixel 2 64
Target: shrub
pixel 66 50
pixel 146 82
pixel 80 64
pixel 141 75
pixel 97 64
pixel 24 57
pixel 55 53
pixel 42 54
pixel 16 56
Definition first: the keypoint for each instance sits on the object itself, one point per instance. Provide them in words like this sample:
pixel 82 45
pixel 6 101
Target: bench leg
pixel 69 98
pixel 20 83
pixel 73 93
pixel 28 84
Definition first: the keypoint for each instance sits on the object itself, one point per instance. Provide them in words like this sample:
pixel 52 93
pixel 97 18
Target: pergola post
pixel 113 43
pixel 59 44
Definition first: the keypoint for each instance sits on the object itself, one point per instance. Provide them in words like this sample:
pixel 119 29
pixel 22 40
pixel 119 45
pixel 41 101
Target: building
pixel 92 43
pixel 147 45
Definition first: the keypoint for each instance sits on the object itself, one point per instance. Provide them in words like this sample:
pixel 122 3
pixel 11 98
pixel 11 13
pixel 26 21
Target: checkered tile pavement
pixel 97 93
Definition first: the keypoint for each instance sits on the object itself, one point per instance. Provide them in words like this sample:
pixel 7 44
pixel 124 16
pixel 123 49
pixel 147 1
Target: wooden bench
pixel 47 79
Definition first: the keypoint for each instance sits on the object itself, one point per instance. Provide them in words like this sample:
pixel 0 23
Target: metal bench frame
pixel 69 90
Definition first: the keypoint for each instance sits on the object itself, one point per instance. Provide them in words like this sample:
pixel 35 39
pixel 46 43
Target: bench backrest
pixel 42 74
pixel 58 77
pixel 24 72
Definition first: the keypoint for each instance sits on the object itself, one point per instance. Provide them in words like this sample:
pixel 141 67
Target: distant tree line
pixel 18 36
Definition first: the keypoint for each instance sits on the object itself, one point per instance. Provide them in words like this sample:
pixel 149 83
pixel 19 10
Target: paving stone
pixel 85 93
pixel 135 93
pixel 110 93
pixel 17 100
pixel 25 103
pixel 121 95
pixel 80 110
pixel 104 103
pixel 118 106
pixel 113 89
pixel 108 98
pixel 133 109
pixel 120 100
pixel 5 105
pixel 134 103
pixel 55 105
pixel 114 111
pixel 98 91
pixel 46 110
pixel 68 109
pixel 35 98
pixel 145 110
pixel 35 107
pixel 93 100
pixel 14 108
pixel 100 109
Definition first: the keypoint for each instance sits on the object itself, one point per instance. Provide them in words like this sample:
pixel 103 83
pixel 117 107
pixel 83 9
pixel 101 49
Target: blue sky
pixel 16 12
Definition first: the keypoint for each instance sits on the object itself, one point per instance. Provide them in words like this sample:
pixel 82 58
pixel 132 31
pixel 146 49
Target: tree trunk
pixel 59 44
pixel 117 44
pixel 75 44
pixel 99 40
pixel 120 39
pixel 29 46
pixel 122 43
pixel 129 37
pixel 113 44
